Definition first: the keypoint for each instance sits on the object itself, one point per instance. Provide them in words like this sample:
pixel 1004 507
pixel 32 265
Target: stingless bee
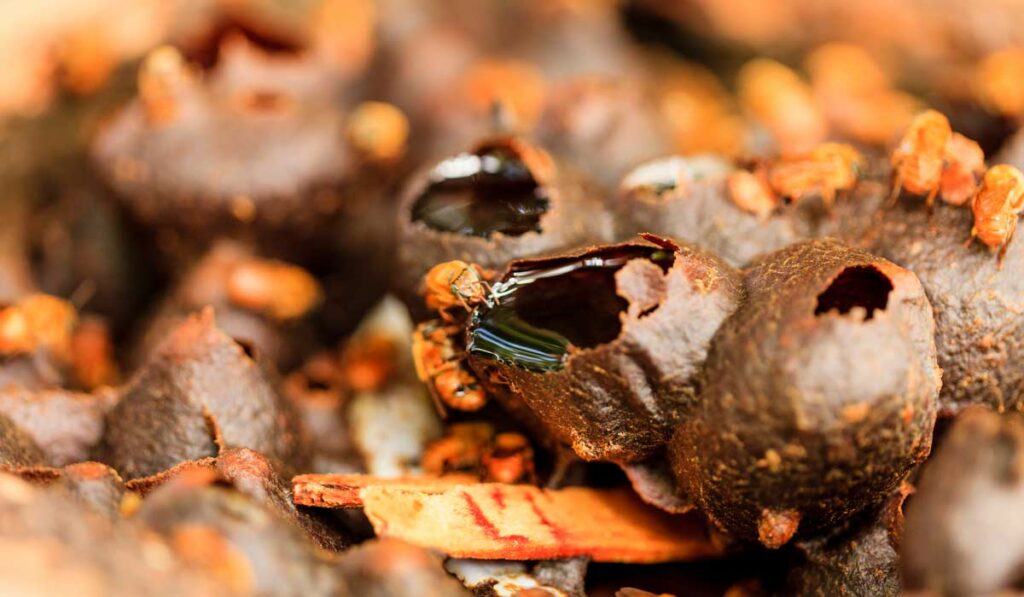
pixel 441 366
pixel 997 206
pixel 455 283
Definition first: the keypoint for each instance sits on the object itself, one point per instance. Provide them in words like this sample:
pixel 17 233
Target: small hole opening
pixel 206 50
pixel 248 348
pixel 858 286
pixel 545 312
pixel 581 305
pixel 315 384
pixel 264 101
pixel 481 193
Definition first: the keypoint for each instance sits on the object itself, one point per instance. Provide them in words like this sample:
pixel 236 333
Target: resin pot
pixel 502 200
pixel 603 347
pixel 821 397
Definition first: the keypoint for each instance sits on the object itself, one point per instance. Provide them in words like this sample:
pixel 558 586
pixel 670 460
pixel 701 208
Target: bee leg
pixel 897 184
pixel 439 406
pixel 828 197
pixel 970 239
pixel 490 293
pixel 1003 249
pixel 930 200
pixel 447 317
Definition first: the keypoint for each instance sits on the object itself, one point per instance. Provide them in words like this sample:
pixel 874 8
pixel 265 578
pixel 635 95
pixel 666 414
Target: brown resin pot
pixel 603 346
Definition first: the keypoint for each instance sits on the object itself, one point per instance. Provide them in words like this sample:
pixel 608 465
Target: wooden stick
pixel 343 491
pixel 512 522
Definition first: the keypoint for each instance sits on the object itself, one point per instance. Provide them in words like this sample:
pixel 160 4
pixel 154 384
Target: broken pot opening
pixel 248 348
pixel 206 50
pixel 544 310
pixel 492 189
pixel 861 286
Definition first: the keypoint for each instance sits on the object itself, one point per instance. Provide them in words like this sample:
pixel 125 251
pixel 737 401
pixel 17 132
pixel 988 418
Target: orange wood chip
pixel 343 491
pixel 513 522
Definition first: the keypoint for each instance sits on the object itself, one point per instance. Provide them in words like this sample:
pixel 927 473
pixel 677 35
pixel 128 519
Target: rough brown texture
pixel 92 483
pixel 979 331
pixel 66 425
pixel 573 218
pixel 199 394
pixel 252 474
pixel 235 160
pixel 861 560
pixel 323 416
pixel 963 535
pixel 231 535
pixel 653 481
pixel 812 414
pixel 281 342
pixel 619 399
pixel 566 575
pixel 386 567
pixel 265 161
pixel 17 448
pixel 697 209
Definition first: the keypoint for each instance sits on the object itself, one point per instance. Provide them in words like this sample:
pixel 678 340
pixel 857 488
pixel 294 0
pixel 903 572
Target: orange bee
pixel 997 207
pixel 775 96
pixel 440 365
pixel 919 158
pixel 965 162
pixel 455 283
pixel 509 460
pixel 461 449
pixel 856 94
pixel 279 290
pixel 999 84
pixel 750 192
pixel 826 170
pixel 931 159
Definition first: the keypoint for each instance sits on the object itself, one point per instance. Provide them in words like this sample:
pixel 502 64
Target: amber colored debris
pixel 512 522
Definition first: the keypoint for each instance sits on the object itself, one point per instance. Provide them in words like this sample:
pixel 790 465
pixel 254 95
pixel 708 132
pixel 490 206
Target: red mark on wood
pixel 556 531
pixel 485 523
pixel 498 497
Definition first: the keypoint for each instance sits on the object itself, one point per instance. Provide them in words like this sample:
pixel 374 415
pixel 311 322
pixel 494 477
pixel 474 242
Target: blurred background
pixel 603 84
pixel 138 137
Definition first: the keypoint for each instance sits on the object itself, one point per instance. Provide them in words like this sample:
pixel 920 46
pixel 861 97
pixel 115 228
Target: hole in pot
pixel 247 347
pixel 478 194
pixel 548 309
pixel 858 286
pixel 264 101
pixel 205 50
